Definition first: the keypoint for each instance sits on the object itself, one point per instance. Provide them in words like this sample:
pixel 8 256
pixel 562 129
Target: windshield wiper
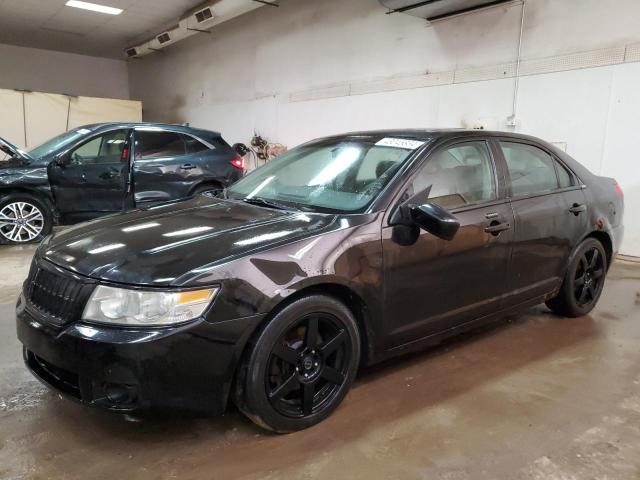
pixel 268 203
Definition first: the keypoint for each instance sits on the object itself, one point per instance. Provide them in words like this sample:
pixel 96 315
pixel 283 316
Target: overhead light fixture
pixel 94 7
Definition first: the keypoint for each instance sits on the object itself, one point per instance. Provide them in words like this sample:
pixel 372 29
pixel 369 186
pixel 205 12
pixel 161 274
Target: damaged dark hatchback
pixel 106 168
pixel 342 252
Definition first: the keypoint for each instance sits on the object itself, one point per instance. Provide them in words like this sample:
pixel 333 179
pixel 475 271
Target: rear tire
pixel 300 365
pixel 209 187
pixel 583 282
pixel 24 218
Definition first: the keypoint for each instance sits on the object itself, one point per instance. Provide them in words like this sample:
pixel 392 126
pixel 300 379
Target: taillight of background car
pixel 618 189
pixel 238 162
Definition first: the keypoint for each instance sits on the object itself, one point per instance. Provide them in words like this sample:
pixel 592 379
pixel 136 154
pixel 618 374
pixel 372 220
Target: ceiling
pixel 49 24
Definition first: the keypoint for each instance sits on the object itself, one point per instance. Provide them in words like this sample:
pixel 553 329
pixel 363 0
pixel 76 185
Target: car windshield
pixel 333 175
pixel 58 142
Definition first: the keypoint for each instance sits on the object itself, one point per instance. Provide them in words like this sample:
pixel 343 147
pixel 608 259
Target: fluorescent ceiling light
pixel 94 7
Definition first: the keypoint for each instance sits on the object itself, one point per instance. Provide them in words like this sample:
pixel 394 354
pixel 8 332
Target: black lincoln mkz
pixel 340 253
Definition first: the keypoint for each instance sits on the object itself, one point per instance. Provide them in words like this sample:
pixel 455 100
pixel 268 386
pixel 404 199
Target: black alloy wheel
pixel 583 281
pixel 589 275
pixel 300 364
pixel 308 365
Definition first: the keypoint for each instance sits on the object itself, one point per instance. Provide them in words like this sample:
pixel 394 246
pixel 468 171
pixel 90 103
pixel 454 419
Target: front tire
pixel 24 218
pixel 300 366
pixel 583 282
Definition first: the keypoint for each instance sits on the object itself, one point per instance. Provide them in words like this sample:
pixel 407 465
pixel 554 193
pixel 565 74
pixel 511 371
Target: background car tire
pixel 207 187
pixel 41 223
pixel 584 280
pixel 273 392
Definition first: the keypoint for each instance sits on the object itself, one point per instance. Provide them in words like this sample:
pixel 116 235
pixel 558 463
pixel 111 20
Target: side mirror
pixel 61 160
pixel 435 220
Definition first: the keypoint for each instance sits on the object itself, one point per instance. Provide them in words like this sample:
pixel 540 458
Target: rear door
pixel 163 169
pixel 550 217
pixel 93 176
pixel 434 285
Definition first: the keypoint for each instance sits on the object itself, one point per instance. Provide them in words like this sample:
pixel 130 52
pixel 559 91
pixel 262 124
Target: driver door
pixel 93 176
pixel 434 285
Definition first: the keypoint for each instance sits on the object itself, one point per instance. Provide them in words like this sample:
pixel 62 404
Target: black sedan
pixel 342 252
pixel 105 168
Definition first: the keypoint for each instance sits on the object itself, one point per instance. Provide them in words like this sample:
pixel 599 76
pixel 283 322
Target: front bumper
pixel 186 367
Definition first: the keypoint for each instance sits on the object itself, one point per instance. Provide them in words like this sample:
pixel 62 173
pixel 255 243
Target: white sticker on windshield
pixel 83 131
pixel 400 143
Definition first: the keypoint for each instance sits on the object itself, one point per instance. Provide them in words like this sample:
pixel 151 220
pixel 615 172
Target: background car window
pixel 194 145
pixel 155 144
pixel 106 148
pixel 457 176
pixel 564 177
pixel 531 169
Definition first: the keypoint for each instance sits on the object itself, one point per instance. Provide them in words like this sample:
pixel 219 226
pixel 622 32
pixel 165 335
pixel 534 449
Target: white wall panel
pixel 46 115
pixel 569 107
pixel 12 117
pixel 621 158
pixel 86 110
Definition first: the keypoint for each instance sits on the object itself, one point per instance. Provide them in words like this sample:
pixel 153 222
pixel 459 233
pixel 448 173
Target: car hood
pixel 10 149
pixel 162 246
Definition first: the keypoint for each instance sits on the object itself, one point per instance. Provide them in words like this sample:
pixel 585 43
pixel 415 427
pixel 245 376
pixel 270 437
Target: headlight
pixel 120 306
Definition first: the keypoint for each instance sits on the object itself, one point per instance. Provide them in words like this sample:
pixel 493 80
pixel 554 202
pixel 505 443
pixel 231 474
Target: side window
pixel 531 169
pixel 194 145
pixel 157 144
pixel 106 148
pixel 564 177
pixel 457 176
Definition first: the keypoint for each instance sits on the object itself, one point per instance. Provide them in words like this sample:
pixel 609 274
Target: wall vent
pixel 131 52
pixel 163 38
pixel 204 15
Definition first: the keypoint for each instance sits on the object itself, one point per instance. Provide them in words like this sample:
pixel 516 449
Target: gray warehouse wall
pixel 58 72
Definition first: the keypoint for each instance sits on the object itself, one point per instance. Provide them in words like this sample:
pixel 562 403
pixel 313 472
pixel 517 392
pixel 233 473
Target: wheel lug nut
pixel 315 364
pixel 306 374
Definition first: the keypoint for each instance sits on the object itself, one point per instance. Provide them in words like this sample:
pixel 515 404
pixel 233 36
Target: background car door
pixel 93 177
pixel 434 284
pixel 162 168
pixel 550 218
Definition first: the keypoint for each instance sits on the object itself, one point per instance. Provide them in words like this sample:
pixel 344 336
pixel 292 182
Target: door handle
pixel 496 227
pixel 577 209
pixel 188 166
pixel 109 175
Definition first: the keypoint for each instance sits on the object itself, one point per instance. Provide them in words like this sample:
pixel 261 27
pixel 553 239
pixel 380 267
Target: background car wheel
pixel 24 218
pixel 583 281
pixel 300 366
pixel 209 187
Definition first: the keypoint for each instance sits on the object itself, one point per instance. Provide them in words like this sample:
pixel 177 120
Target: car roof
pixel 443 134
pixel 439 133
pixel 96 127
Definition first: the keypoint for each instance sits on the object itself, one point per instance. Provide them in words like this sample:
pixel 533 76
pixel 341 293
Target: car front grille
pixel 59 296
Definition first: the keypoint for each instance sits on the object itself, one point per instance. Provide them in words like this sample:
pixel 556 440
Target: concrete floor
pixel 537 397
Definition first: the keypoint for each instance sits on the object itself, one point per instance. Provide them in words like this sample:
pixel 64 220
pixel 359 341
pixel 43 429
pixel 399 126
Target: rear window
pixel 194 145
pixel 158 144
